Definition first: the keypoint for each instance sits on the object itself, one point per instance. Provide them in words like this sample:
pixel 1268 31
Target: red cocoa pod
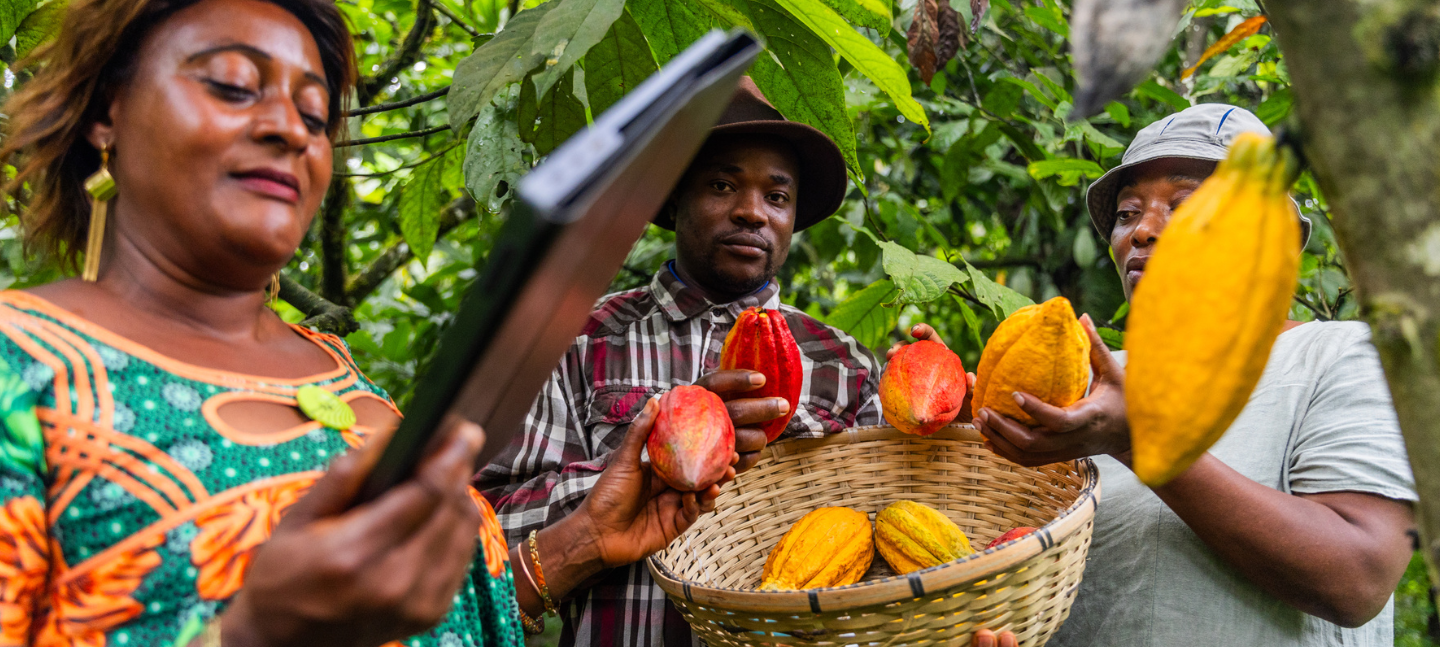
pixel 693 440
pixel 922 388
pixel 761 341
pixel 1017 532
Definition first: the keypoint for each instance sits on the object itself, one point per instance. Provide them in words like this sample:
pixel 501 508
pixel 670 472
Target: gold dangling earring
pixel 101 187
pixel 274 289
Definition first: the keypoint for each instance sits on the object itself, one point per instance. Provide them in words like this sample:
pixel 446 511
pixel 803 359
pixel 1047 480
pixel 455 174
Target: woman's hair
pixel 79 75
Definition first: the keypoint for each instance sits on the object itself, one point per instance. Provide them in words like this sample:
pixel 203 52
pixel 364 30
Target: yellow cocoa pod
pixel 912 536
pixel 1205 314
pixel 1041 350
pixel 829 547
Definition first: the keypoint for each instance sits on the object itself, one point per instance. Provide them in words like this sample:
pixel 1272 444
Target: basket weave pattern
pixel 1026 585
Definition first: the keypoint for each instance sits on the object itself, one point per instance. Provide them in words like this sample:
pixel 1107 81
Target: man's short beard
pixel 738 286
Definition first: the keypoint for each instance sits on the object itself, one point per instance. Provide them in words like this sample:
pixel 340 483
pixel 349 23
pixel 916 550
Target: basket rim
pixel 939 578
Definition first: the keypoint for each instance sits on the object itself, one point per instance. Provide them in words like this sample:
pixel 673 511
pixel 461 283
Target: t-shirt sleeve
pixel 1349 439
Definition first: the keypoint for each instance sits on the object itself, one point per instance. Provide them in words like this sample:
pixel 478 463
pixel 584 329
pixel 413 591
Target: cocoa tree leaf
pixel 1275 107
pixel 919 277
pixel 566 32
pixel 949 38
pixel 977 13
pixel 865 55
pixel 866 316
pixel 420 203
pixel 1002 300
pixel 38 27
pixel 921 38
pixel 1070 170
pixel 871 14
pixel 799 77
pixel 670 25
pixel 546 124
pixel 1241 32
pixel 494 154
pixel 617 64
pixel 972 321
pixel 501 61
pixel 12 13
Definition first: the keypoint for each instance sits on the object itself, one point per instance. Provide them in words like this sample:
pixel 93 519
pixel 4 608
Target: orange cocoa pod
pixel 692 441
pixel 761 341
pixel 1041 350
pixel 922 388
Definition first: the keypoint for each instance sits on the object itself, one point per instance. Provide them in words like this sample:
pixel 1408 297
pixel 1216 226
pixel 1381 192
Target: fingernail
pixel 976 422
pixel 1019 400
pixel 757 378
pixel 782 404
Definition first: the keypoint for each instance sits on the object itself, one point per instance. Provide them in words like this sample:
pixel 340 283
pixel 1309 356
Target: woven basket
pixel 1025 585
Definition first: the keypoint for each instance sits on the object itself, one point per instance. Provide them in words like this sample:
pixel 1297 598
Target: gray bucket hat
pixel 1201 132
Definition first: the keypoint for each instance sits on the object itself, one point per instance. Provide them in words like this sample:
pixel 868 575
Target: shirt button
pixel 717 312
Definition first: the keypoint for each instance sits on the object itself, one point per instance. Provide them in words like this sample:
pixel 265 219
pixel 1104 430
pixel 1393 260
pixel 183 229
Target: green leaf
pixel 503 60
pixel 670 25
pixel 1070 170
pixel 867 57
pixel 420 203
pixel 40 26
pixel 1275 107
pixel 1050 18
pixel 1235 64
pixel 920 278
pixel 494 155
pixel 12 13
pixel 1002 300
pixel 1084 249
pixel 1113 338
pixel 972 321
pixel 1003 99
pixel 1033 90
pixel 1119 113
pixel 865 315
pixel 801 79
pixel 617 64
pixel 1152 90
pixel 726 12
pixel 872 14
pixel 549 122
pixel 1120 312
pixel 567 32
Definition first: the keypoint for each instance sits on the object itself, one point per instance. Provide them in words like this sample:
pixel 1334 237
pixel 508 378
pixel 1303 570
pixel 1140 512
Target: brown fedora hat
pixel 822 167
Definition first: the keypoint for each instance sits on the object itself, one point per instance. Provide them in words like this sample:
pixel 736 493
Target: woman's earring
pixel 274 289
pixel 101 187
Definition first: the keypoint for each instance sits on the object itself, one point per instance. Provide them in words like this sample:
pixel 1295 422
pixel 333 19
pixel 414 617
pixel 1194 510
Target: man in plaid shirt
pixel 758 179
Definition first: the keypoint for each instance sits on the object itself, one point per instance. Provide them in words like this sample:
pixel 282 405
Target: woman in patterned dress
pixel 158 484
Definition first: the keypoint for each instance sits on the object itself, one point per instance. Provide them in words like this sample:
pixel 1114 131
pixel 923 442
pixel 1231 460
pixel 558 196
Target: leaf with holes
pixel 866 316
pixel 617 64
pixel 567 32
pixel 866 56
pixel 503 60
pixel 801 79
pixel 420 203
pixel 920 278
pixel 1002 300
pixel 549 122
pixel 494 154
pixel 921 38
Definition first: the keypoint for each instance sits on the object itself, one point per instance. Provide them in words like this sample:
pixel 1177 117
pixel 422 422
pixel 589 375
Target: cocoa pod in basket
pixel 913 536
pixel 829 547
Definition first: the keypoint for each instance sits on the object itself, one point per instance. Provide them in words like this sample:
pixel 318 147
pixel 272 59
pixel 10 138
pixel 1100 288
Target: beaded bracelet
pixel 540 576
pixel 531 626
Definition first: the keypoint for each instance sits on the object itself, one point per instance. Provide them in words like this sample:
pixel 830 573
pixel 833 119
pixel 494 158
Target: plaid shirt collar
pixel 681 302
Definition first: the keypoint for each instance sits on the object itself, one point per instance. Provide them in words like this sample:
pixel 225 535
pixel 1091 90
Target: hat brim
pixel 823 178
pixel 1100 197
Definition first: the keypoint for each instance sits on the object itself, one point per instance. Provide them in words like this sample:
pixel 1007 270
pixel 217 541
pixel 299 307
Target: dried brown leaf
pixel 921 38
pixel 977 13
pixel 950 39
pixel 1241 32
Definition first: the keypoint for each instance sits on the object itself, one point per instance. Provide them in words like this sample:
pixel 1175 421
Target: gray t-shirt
pixel 1320 420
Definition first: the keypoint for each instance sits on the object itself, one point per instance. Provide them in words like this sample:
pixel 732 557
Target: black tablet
pixel 576 216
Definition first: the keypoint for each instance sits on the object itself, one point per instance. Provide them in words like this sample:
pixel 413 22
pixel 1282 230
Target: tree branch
pixel 404 57
pixel 320 313
pixel 402 167
pixel 388 138
pixel 434 94
pixel 1319 313
pixel 458 211
pixel 332 240
pixel 1006 263
pixel 464 26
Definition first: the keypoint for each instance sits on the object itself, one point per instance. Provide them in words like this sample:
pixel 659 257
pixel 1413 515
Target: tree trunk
pixel 1364 78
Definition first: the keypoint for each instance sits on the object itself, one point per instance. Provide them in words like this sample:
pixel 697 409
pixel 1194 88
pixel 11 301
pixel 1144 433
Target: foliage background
pixel 967 192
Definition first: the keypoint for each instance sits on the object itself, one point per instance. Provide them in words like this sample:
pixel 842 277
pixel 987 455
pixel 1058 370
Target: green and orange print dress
pixel 131 509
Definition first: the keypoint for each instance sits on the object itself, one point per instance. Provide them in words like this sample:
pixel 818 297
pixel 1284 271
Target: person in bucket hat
pixel 758 179
pixel 1292 529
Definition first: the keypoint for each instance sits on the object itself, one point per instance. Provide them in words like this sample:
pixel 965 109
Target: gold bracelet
pixel 540 576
